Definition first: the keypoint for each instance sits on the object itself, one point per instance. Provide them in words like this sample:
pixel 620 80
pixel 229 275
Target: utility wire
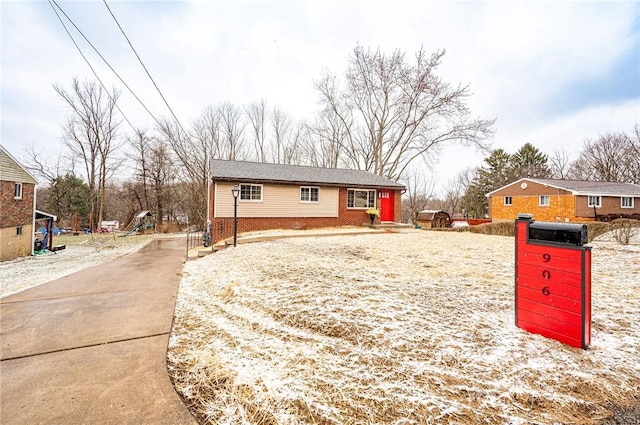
pixel 145 68
pixel 88 63
pixel 103 59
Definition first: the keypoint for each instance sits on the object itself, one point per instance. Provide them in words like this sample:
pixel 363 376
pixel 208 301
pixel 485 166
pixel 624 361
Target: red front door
pixel 386 205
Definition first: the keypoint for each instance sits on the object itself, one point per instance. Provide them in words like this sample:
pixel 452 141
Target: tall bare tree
pixel 560 164
pixel 324 140
pixel 392 112
pixel 232 126
pixel 257 114
pixel 610 157
pixel 91 134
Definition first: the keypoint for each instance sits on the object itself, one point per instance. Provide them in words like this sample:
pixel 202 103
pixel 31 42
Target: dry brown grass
pixel 393 329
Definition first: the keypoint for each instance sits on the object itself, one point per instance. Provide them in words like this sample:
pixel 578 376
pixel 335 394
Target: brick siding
pixel 561 208
pixel 16 212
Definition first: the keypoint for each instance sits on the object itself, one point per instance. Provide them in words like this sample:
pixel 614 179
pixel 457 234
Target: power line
pixel 145 68
pixel 88 63
pixel 103 59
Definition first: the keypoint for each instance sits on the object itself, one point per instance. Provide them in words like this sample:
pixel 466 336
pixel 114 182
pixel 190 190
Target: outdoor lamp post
pixel 236 191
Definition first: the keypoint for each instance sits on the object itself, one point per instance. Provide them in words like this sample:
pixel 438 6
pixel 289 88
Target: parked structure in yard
pixel 564 200
pixel 433 219
pixel 277 196
pixel 17 206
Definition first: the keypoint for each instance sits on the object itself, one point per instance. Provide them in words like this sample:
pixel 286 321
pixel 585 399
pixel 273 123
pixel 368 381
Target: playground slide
pixel 133 229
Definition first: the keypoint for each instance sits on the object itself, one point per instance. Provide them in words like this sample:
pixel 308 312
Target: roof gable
pixel 582 187
pixel 296 174
pixel 11 169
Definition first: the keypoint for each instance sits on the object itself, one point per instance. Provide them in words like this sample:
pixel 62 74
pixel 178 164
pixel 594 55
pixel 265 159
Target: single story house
pixel 564 200
pixel 433 219
pixel 277 196
pixel 17 206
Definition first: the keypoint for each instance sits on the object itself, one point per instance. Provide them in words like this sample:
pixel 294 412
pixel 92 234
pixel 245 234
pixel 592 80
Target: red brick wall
pixel 16 212
pixel 222 228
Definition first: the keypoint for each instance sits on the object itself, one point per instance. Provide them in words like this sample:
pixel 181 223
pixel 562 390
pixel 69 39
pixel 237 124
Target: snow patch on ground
pixel 394 328
pixel 26 272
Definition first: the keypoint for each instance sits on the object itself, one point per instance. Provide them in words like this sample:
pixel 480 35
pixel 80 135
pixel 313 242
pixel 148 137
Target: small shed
pixel 433 219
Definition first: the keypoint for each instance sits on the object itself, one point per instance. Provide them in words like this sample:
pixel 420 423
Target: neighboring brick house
pixel 276 196
pixel 564 200
pixel 17 206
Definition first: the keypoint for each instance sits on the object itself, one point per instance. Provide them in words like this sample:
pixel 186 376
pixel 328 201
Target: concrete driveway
pixel 90 348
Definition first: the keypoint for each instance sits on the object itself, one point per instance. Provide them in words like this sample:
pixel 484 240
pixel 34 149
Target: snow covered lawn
pixel 401 328
pixel 82 251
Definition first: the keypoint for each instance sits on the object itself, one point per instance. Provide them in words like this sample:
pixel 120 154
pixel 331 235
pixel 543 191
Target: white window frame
pixel 17 191
pixel 591 198
pixel 371 199
pixel 19 231
pixel 251 199
pixel 622 203
pixel 508 201
pixel 543 198
pixel 310 190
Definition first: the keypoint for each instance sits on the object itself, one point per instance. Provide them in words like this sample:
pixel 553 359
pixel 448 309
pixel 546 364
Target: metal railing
pixel 194 239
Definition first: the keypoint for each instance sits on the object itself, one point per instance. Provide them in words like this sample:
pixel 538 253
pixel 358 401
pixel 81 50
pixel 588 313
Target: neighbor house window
pixel 357 198
pixel 19 231
pixel 17 193
pixel 251 192
pixel 309 194
pixel 626 202
pixel 594 201
pixel 508 200
pixel 545 200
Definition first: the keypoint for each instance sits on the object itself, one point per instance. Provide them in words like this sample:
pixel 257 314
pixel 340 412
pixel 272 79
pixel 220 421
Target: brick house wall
pixel 13 214
pixel 563 205
pixel 222 228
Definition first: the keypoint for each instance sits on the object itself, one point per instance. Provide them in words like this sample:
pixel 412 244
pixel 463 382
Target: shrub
pixel 506 228
pixel 597 228
pixel 624 230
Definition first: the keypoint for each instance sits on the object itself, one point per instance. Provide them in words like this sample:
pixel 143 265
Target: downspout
pixel 33 221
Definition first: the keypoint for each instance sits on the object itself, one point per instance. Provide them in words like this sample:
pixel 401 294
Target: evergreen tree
pixel 528 161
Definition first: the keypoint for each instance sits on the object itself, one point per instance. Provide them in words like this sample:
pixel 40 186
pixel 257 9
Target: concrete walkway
pixel 90 348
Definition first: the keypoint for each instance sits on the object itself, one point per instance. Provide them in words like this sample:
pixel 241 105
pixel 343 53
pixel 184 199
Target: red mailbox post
pixel 553 280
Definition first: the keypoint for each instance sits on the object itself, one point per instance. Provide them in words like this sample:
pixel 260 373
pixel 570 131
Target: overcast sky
pixel 552 73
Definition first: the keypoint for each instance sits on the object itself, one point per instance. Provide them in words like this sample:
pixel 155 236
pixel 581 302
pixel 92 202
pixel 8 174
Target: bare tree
pixel 91 134
pixel 456 189
pixel 560 164
pixel 417 196
pixel 194 154
pixel 609 158
pixel 391 112
pixel 232 127
pixel 257 114
pixel 324 140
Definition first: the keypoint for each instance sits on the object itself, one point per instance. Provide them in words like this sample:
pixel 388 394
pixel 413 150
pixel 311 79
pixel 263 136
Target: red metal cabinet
pixel 553 285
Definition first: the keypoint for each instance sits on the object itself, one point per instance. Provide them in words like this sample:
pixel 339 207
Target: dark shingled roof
pixel 583 187
pixel 280 173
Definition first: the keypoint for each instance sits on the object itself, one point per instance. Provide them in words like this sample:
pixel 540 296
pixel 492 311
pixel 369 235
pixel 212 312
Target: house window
pixel 545 200
pixel 309 194
pixel 251 192
pixel 594 201
pixel 19 231
pixel 626 202
pixel 357 198
pixel 508 200
pixel 17 193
